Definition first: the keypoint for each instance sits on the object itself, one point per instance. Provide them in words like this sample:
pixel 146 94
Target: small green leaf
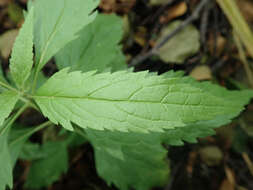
pixel 124 101
pixel 57 23
pixel 45 171
pixel 130 160
pixel 181 46
pixel 6 164
pixel 32 151
pixel 17 138
pixel 97 47
pixel 22 54
pixel 7 101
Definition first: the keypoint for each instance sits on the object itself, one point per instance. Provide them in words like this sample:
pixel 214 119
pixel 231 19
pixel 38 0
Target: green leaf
pixel 96 48
pixel 7 101
pixel 57 23
pixel 191 132
pixel 22 54
pixel 17 139
pixel 45 171
pixel 137 102
pixel 130 160
pixel 32 151
pixel 6 165
pixel 186 43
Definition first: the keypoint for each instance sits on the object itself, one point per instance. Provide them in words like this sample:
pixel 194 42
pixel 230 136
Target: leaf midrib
pixel 129 101
pixel 51 36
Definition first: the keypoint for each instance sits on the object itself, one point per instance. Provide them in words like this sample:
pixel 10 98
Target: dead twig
pixel 154 50
pixel 158 12
pixel 248 161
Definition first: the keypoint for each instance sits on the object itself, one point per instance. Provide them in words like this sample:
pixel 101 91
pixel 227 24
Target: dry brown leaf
pixel 108 5
pixel 248 161
pixel 246 8
pixel 6 42
pixel 211 155
pixel 4 2
pixel 174 12
pixel 226 185
pixel 140 36
pixel 220 44
pixel 230 176
pixel 121 6
pixel 201 72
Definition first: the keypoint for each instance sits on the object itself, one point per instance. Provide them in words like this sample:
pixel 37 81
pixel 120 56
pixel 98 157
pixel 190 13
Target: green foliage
pixel 6 165
pixel 31 151
pixel 45 171
pixel 96 48
pixel 130 160
pixel 17 139
pixel 7 101
pixel 126 116
pixel 57 23
pixel 22 54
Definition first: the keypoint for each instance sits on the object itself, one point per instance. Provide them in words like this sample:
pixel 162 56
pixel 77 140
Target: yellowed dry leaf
pixel 6 42
pixel 202 72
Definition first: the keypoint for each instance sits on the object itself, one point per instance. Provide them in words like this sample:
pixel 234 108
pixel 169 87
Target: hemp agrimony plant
pixel 126 116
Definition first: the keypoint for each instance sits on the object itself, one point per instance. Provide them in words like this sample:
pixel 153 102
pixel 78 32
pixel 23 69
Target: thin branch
pixel 154 50
pixel 7 86
pixel 13 119
pixel 204 25
pixel 158 12
pixel 248 161
pixel 29 133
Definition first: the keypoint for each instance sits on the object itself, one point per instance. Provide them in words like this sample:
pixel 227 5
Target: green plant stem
pixel 25 100
pixel 243 59
pixel 41 59
pixel 238 22
pixel 35 79
pixel 13 119
pixel 34 130
pixel 8 87
pixel 31 104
